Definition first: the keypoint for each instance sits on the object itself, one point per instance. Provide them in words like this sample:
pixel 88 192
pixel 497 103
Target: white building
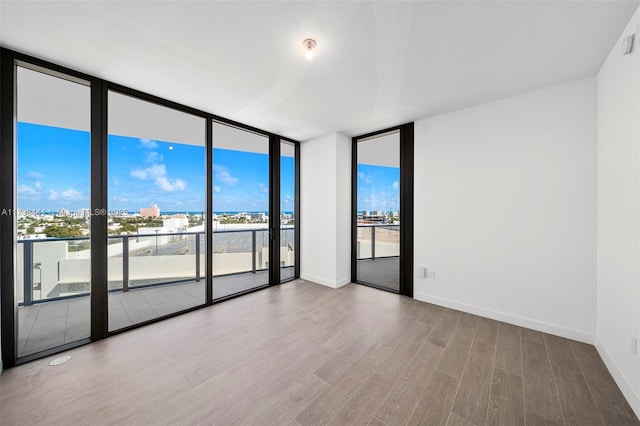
pixel 173 224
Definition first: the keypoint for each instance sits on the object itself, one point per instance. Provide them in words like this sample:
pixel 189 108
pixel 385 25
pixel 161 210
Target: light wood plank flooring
pixel 302 354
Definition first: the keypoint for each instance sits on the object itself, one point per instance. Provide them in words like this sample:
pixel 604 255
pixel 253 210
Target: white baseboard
pixel 343 282
pixel 509 318
pixel 324 281
pixel 632 397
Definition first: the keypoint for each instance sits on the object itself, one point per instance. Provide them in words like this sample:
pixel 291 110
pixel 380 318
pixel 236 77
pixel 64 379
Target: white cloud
pixel 37 185
pixel 68 194
pixel 224 176
pixel 395 184
pixel 71 194
pixel 158 173
pixel 263 187
pixel 169 186
pixel 366 178
pixel 154 158
pixel 156 170
pixel 35 174
pixel 216 188
pixel 147 143
pixel 28 190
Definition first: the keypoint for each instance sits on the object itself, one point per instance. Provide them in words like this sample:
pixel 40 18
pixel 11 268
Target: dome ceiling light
pixel 309 44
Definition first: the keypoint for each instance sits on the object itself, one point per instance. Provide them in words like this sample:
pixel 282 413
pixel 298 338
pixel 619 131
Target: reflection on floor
pixel 47 325
pixel 382 271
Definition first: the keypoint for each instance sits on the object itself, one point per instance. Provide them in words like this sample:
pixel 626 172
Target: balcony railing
pixel 377 241
pixel 59 268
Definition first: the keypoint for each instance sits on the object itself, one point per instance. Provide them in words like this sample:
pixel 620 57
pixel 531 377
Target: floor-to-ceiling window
pixel 156 204
pixel 240 221
pixel 52 220
pixel 382 185
pixel 120 208
pixel 378 210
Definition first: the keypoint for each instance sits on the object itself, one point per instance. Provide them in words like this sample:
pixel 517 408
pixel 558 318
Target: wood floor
pixel 303 354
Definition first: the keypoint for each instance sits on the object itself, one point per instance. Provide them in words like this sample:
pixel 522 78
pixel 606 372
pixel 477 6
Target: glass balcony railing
pixel 60 268
pixel 378 241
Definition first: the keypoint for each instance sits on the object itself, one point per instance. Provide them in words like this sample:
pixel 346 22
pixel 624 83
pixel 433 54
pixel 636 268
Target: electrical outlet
pixel 634 345
pixel 628 44
pixel 431 274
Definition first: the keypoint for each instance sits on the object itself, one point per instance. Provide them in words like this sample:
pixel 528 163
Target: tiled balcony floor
pixel 47 325
pixel 382 271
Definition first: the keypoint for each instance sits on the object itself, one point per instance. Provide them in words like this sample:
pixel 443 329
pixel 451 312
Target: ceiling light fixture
pixel 309 44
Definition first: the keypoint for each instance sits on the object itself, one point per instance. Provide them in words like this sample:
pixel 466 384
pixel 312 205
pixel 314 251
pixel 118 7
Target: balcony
pixel 378 254
pixel 149 276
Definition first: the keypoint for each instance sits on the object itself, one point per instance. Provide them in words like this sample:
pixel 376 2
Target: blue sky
pixel 54 172
pixel 378 188
pixel 53 168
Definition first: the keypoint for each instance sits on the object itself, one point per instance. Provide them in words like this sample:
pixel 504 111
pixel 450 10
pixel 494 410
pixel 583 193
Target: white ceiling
pixel 51 101
pixel 377 64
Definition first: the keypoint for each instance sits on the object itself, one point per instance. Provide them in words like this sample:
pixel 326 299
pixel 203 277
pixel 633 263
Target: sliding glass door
pixel 156 187
pixel 378 211
pixel 240 220
pixel 382 234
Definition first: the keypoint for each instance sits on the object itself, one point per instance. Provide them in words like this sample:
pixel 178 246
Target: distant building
pixel 153 211
pixel 176 223
pixel 84 213
pixel 374 218
pixel 150 235
pixel 259 217
pixel 63 212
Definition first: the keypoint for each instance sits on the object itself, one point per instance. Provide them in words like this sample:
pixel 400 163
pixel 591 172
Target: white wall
pixel 325 187
pixel 618 289
pixel 505 207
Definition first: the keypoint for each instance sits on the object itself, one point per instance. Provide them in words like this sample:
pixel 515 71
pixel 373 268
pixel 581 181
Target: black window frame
pixel 406 132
